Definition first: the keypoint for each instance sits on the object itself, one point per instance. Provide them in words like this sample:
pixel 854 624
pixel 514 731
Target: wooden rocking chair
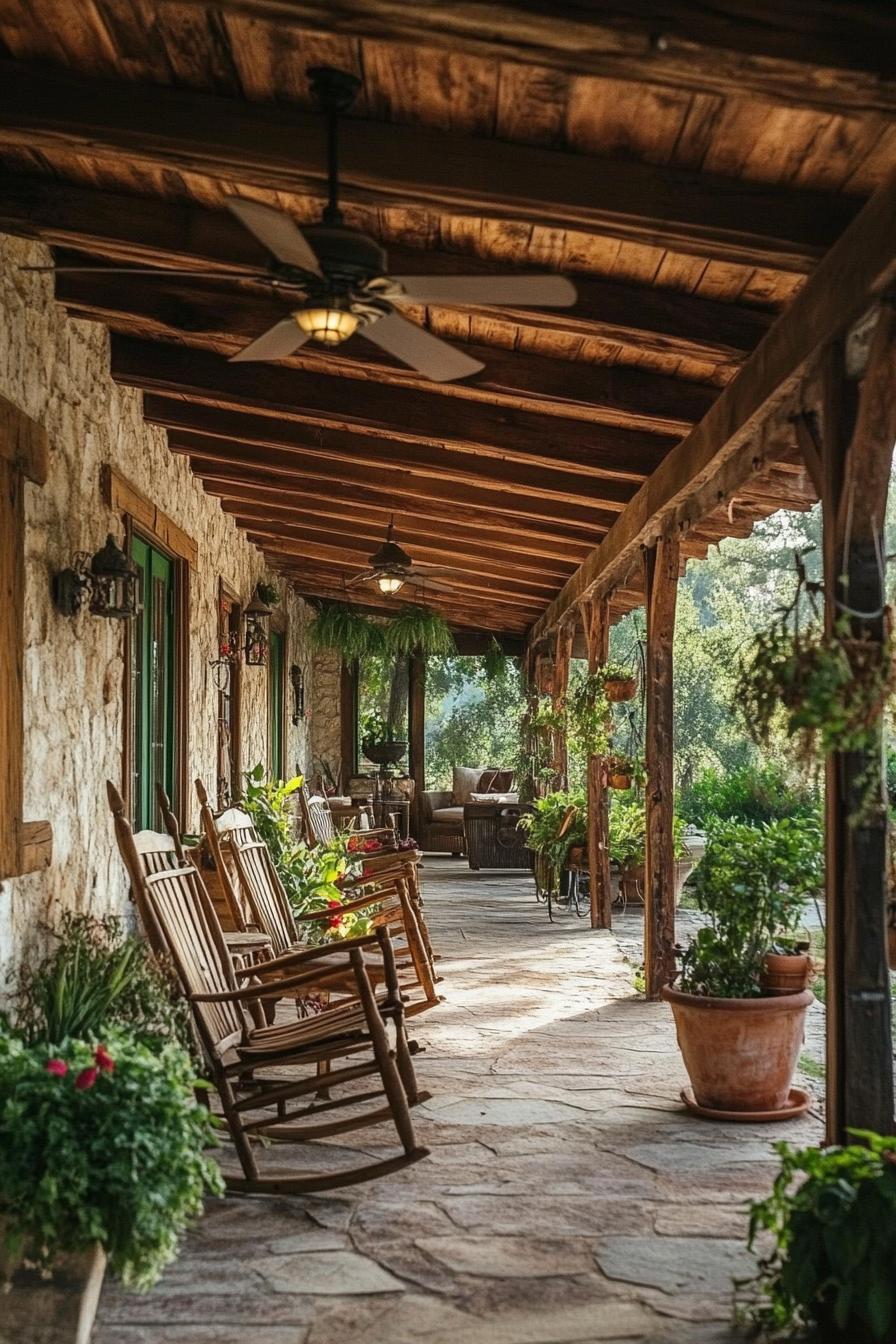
pixel 180 921
pixel 232 839
pixel 319 828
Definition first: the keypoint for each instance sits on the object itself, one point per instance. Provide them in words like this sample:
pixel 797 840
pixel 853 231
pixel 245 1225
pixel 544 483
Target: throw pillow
pixel 464 780
pixel 505 798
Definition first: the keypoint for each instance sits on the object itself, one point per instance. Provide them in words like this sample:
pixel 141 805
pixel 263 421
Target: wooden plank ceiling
pixel 688 180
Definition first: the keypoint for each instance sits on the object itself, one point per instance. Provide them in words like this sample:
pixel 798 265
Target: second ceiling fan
pixel 341 279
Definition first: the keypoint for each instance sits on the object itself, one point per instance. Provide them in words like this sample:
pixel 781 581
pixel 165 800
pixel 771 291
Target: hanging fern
pixel 345 630
pixel 494 661
pixel 415 627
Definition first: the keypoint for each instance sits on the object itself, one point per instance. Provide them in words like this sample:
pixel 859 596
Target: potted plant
pixel 555 824
pixel 786 966
pixel 739 1043
pixel 619 682
pixel 102 1140
pixel 623 771
pixel 379 742
pixel 831 1218
pixel 627 840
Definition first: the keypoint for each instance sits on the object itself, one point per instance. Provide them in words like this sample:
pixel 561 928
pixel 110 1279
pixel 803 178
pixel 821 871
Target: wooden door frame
pixel 279 624
pixel 229 594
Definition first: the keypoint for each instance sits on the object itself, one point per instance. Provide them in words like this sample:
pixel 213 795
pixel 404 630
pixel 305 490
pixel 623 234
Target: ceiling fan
pixel 390 568
pixel 340 274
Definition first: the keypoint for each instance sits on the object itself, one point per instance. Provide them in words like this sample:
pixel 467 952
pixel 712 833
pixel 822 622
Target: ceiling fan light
pixel 389 583
pixel 329 325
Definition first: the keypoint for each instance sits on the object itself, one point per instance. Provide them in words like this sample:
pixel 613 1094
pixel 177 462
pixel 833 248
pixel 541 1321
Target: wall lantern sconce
pixel 111 579
pixel 258 614
pixel 297 680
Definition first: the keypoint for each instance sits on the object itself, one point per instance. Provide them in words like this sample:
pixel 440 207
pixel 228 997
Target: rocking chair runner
pixel 232 836
pixel 180 921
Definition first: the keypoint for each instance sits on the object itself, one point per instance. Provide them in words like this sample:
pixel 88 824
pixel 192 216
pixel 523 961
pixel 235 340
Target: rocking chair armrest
pixel 299 957
pixel 272 988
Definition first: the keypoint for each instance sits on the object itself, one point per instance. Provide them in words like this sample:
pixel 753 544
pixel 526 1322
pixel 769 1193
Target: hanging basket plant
pixel 624 771
pixel 620 682
pixel 588 715
pixel 414 628
pixel 343 629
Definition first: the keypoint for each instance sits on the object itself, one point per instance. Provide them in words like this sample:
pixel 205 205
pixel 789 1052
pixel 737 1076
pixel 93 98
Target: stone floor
pixel 568 1198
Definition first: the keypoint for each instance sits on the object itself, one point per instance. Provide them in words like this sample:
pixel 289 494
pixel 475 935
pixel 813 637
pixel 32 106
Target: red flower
pixel 335 920
pixel 371 846
pixel 57 1066
pixel 103 1059
pixel 86 1079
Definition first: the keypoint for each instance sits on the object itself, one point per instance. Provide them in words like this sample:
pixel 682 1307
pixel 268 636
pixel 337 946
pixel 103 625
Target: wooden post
pixel 417 734
pixel 563 653
pixel 857 447
pixel 348 720
pixel 661 563
pixel 596 620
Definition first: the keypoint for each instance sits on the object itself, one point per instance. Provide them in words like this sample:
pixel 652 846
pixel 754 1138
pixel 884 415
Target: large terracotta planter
pixel 56 1310
pixel 784 973
pixel 740 1054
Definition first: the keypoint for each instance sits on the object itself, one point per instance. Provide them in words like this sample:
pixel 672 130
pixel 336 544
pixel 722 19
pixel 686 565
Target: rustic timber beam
pixel 247 468
pixel 393 420
pixel 720 453
pixel 220 316
pixel 596 623
pixel 283 149
pixel 829 57
pixel 661 569
pixel 414 526
pixel 149 230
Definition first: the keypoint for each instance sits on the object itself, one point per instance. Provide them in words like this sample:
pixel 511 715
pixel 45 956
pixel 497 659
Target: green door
pixel 152 683
pixel 275 704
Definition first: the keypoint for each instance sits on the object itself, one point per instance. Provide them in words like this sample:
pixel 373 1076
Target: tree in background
pixel 473 711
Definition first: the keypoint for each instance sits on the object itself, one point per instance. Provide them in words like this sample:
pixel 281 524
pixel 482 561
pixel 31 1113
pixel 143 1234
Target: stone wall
pixel 326 733
pixel 57 371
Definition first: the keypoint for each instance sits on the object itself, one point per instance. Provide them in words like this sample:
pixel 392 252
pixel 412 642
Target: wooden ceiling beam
pixel 282 148
pixel 393 420
pixel 828 57
pixel 222 316
pixel 411 527
pixel 725 449
pixel 149 230
pixel 356 539
pixel 479 503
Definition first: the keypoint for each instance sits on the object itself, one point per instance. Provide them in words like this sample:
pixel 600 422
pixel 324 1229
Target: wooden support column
pixel 562 656
pixel 417 734
pixel 661 564
pixel 348 720
pixel 857 447
pixel 596 620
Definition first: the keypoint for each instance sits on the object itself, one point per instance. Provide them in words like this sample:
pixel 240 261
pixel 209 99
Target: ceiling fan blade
pixel 172 272
pixel 427 354
pixel 437 585
pixel 280 234
pixel 364 577
pixel 432 569
pixel 277 342
pixel 522 291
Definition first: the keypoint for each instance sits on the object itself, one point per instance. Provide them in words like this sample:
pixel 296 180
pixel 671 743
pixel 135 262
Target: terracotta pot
pixel 740 1054
pixel 58 1310
pixel 619 781
pixel 618 689
pixel 632 879
pixel 785 973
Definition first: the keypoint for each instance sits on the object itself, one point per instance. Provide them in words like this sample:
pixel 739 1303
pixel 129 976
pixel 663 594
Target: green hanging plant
pixel 268 593
pixel 588 715
pixel 345 630
pixel 415 627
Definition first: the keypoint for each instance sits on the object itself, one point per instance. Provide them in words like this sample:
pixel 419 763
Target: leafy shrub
pixel 832 1215
pixel 96 977
pixel 588 715
pixel 752 882
pixel 628 830
pixel 101 1143
pixel 543 824
pixel 752 794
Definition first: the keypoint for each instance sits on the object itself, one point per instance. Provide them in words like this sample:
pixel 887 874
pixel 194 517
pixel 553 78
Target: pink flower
pixel 57 1067
pixel 103 1059
pixel 86 1079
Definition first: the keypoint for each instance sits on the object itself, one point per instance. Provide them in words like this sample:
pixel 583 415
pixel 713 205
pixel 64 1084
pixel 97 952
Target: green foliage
pixel 832 1218
pixel 473 715
pixel 109 1148
pixel 615 672
pixel 752 882
pixel 829 691
pixel 628 829
pixel 311 875
pixel 345 630
pixel 588 714
pixel 268 594
pixel 96 977
pixel 375 729
pixel 543 825
pixel 750 793
pixel 415 628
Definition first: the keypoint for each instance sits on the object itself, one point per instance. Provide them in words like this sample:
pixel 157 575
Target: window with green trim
pixel 153 710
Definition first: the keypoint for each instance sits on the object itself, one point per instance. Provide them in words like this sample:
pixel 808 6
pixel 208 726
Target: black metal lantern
pixel 297 680
pixel 110 577
pixel 257 616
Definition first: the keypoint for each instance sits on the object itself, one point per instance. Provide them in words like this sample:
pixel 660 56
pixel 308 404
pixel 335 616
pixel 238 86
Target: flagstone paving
pixel 569 1198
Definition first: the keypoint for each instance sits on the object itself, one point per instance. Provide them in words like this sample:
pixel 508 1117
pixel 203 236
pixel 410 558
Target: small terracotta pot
pixel 618 781
pixel 740 1054
pixel 618 689
pixel 784 973
pixel 58 1310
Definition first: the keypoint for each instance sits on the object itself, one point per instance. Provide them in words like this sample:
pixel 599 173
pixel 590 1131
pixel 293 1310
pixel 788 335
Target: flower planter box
pixel 56 1310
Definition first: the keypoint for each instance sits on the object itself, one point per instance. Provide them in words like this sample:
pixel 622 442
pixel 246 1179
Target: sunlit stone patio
pixel 568 1196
